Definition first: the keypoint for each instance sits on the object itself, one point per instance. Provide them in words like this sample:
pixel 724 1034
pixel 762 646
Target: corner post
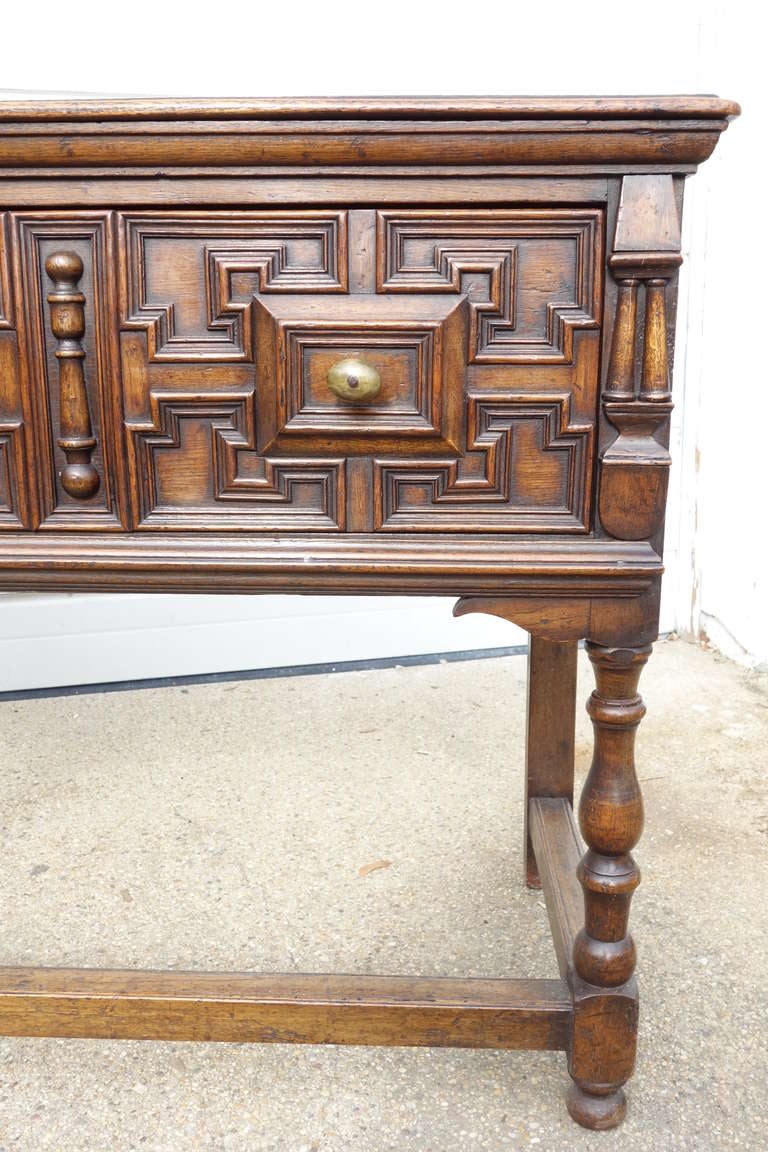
pixel 634 468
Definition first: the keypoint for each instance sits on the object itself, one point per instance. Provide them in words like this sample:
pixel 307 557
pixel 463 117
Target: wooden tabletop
pixel 705 107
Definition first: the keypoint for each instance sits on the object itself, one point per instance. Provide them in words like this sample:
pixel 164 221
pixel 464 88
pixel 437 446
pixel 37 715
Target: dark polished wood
pixel 363 346
pixel 602 1052
pixel 284 1009
pixel 79 478
pixel 679 131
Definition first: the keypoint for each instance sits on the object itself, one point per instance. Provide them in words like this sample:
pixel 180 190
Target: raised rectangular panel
pixel 416 344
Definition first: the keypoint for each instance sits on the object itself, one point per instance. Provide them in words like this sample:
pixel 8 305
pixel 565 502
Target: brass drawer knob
pixel 355 381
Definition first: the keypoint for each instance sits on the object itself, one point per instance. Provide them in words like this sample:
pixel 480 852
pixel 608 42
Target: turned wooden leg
pixel 550 729
pixel 602 1053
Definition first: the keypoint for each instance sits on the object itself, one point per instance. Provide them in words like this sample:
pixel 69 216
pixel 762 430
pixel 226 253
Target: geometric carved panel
pixel 526 468
pixel 532 275
pixel 480 328
pixel 188 278
pixel 480 325
pixel 196 468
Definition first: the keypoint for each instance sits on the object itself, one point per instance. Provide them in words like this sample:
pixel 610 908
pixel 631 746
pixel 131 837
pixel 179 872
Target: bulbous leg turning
pixel 602 1054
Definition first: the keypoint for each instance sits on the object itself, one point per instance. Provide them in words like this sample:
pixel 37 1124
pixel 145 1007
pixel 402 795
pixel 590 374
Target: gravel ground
pixel 226 826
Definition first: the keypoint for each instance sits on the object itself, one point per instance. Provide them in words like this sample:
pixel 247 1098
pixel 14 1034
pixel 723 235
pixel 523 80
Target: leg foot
pixel 598 1112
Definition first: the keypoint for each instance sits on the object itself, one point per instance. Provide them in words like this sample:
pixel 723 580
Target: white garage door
pixel 50 641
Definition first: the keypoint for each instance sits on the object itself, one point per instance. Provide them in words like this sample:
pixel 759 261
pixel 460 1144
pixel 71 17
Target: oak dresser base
pixel 411 347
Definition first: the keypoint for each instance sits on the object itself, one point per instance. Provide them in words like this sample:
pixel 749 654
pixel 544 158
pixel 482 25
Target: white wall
pixel 728 476
pixel 336 48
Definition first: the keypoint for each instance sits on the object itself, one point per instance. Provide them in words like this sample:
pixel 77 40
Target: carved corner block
pixel 634 471
pixel 634 468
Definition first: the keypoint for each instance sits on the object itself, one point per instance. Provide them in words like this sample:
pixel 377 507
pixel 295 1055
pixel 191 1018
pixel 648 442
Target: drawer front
pixel 204 365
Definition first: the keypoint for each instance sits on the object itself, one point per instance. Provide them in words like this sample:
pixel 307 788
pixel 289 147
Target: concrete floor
pixel 225 826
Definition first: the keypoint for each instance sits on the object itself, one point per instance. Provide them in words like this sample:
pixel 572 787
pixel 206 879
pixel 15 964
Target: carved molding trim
pixel 239 257
pixel 510 321
pixel 11 468
pixel 478 491
pixel 299 414
pixel 271 495
pixel 13 510
pixel 6 298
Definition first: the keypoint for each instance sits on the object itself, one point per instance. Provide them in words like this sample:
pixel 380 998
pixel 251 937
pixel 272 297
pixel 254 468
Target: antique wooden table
pixel 365 346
